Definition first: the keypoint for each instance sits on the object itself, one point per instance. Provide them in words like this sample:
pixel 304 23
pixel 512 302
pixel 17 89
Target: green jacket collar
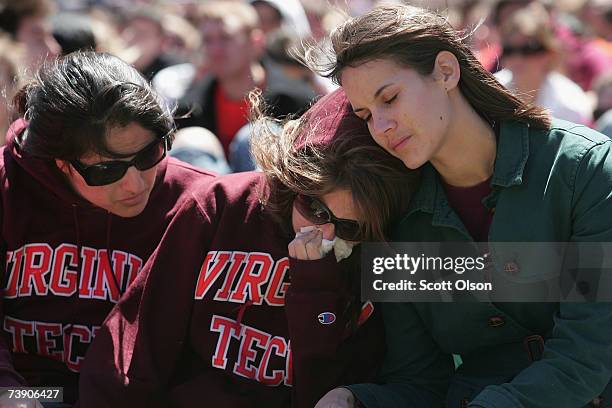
pixel 511 157
pixel 512 154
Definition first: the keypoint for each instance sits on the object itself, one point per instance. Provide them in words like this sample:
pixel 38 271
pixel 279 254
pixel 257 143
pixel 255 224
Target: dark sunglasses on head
pixel 108 172
pixel 525 49
pixel 316 212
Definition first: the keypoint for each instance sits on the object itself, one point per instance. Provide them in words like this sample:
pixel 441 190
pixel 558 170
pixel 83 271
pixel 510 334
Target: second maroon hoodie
pixel 221 317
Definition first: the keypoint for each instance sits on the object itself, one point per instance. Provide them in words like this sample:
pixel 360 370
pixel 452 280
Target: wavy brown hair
pixel 412 37
pixel 295 162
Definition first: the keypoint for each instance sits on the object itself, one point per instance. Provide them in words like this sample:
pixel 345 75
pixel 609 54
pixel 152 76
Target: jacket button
pixel 496 321
pixel 488 266
pixel 511 268
pixel 492 210
pixel 597 402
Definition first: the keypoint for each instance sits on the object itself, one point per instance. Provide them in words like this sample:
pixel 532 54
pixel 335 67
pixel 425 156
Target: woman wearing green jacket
pixel 494 170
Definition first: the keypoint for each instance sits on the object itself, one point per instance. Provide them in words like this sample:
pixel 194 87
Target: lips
pixel 133 200
pixel 396 144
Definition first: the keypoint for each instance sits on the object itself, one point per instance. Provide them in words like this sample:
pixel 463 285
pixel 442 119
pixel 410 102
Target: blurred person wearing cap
pixel 590 49
pixel 530 55
pixel 262 307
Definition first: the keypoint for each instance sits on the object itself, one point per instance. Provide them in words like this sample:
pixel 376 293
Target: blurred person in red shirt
pixel 232 65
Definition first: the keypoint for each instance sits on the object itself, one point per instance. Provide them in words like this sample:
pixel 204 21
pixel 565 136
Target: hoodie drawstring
pixel 77 232
pixel 241 309
pixel 109 252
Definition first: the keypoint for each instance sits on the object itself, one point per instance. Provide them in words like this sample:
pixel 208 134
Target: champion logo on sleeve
pixel 326 318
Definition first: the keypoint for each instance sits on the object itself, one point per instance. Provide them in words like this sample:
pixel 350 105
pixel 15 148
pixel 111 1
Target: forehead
pixel 33 25
pixel 227 25
pixel 340 202
pixel 126 140
pixel 361 82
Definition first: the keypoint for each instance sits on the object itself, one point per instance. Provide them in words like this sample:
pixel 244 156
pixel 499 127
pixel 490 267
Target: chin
pixel 413 164
pixel 129 212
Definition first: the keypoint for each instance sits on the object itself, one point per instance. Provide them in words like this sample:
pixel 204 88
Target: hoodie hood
pixel 330 119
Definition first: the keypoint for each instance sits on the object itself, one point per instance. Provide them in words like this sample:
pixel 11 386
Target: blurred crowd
pixel 203 57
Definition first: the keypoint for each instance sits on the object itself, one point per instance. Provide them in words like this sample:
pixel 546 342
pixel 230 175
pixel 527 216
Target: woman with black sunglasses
pixel 86 196
pixel 238 322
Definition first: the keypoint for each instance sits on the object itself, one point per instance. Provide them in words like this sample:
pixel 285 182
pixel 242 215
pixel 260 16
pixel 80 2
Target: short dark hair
pixel 75 101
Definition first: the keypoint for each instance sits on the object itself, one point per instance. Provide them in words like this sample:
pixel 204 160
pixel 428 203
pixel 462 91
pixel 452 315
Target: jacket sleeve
pixel 136 350
pixel 8 375
pixel 325 352
pixel 577 361
pixel 415 372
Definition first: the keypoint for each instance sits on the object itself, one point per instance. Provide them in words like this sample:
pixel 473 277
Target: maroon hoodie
pixel 58 284
pixel 221 317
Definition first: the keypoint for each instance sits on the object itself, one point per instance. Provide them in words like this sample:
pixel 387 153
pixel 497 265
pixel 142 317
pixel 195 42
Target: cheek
pixel 434 113
pixel 297 221
pixel 98 196
pixel 379 140
pixel 149 176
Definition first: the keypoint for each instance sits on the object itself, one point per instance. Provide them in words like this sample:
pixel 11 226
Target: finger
pixel 299 250
pixel 291 248
pixel 313 247
pixel 306 236
pixel 303 238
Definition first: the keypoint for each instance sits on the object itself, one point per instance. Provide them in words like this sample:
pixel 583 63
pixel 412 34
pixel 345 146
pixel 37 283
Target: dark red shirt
pixel 467 203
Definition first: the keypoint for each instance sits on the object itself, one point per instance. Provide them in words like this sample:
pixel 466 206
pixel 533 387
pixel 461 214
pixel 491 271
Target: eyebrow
pixel 378 91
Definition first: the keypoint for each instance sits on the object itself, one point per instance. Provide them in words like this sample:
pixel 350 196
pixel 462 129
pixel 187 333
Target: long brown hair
pixel 295 161
pixel 412 37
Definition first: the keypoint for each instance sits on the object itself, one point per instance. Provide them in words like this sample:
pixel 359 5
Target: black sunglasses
pixel 108 172
pixel 316 212
pixel 525 49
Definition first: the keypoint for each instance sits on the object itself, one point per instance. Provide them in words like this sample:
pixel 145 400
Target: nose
pixel 381 125
pixel 328 230
pixel 133 180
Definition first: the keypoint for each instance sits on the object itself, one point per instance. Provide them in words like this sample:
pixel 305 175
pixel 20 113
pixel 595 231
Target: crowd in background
pixel 203 57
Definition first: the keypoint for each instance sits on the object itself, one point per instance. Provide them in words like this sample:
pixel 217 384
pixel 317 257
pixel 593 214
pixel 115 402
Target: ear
pixel 64 166
pixel 446 70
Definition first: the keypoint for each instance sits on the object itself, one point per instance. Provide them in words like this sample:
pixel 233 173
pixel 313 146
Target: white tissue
pixel 342 248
